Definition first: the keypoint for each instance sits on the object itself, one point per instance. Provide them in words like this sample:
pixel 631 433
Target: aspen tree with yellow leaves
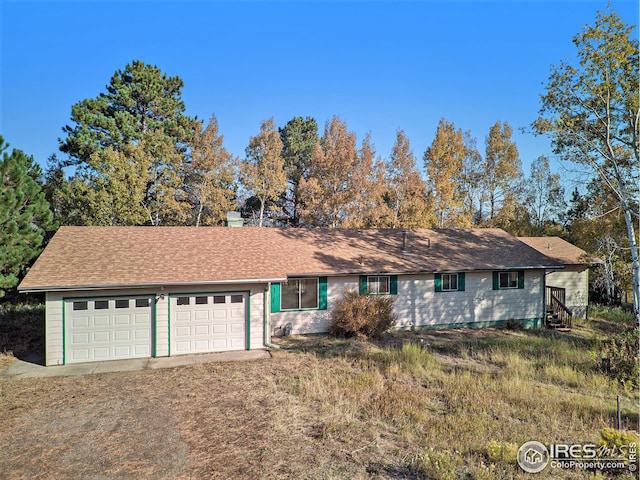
pixel 443 163
pixel 262 172
pixel 591 112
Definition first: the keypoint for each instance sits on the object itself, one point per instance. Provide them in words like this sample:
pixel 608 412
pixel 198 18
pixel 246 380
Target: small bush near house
pixel 620 352
pixel 513 324
pixel 362 316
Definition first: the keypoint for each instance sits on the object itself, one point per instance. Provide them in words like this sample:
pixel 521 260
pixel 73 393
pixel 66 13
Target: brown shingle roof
pixel 559 249
pixel 136 256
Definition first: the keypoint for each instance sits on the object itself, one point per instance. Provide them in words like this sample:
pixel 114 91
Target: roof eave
pixel 114 286
pixel 422 271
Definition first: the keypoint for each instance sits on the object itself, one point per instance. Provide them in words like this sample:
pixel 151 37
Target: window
pixel 449 282
pixel 299 293
pixel 378 285
pixel 236 298
pixel 142 302
pixel 80 306
pixel 182 301
pixel 202 300
pixel 101 304
pixel 122 303
pixel 508 280
pixel 219 299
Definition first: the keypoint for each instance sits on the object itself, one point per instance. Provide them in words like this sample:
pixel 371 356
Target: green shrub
pixel 622 352
pixel 612 314
pixel 502 451
pixel 362 316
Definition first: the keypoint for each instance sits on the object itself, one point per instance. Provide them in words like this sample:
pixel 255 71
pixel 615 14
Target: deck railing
pixel 557 310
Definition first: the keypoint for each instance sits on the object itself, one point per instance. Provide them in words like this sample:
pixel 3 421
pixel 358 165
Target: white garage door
pixel 212 322
pixel 108 328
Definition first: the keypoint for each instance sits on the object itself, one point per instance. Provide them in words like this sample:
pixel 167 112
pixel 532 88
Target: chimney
pixel 234 219
pixel 405 234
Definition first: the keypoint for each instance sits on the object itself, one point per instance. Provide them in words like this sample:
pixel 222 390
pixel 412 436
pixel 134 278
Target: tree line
pixel 137 158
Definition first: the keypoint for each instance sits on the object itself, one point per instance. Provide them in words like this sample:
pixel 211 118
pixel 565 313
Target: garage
pixel 208 322
pixel 108 328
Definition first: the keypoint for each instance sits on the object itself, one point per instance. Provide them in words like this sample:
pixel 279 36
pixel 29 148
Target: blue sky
pixel 381 66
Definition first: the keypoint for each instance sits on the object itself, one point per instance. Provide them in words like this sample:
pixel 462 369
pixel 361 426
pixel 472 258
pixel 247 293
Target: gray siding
pixel 575 279
pixel 315 321
pixel 418 305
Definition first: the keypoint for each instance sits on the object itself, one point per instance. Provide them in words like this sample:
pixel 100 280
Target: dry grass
pixel 418 406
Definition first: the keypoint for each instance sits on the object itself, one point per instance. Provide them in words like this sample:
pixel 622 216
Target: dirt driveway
pixel 201 421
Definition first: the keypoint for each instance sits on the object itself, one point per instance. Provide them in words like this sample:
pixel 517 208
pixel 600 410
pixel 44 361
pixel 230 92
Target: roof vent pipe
pixel 405 234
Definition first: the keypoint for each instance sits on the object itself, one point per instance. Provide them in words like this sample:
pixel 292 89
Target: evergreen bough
pixel 25 216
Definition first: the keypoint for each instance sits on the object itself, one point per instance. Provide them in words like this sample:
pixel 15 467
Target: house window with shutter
pixel 449 282
pixel 299 294
pixel 508 280
pixel 378 285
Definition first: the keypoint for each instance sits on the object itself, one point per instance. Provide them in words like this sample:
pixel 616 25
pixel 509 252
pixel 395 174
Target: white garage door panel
pixel 97 330
pixel 217 325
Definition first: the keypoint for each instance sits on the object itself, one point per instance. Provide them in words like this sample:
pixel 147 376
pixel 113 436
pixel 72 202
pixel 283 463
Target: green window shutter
pixel 362 286
pixel 275 297
pixel 520 278
pixel 437 281
pixel 322 293
pixel 461 282
pixel 496 280
pixel 393 284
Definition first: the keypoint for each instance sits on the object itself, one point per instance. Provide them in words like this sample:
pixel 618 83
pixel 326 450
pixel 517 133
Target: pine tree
pixel 25 215
pixel 299 137
pixel 140 119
